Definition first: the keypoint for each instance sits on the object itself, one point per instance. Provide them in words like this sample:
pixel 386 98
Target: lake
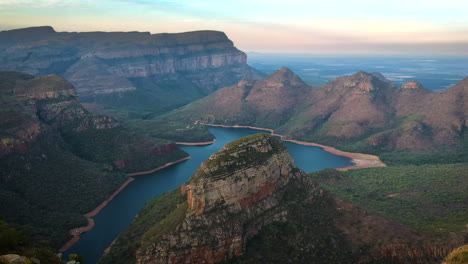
pixel 120 212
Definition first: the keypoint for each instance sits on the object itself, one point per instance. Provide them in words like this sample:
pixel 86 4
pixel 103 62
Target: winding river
pixel 120 212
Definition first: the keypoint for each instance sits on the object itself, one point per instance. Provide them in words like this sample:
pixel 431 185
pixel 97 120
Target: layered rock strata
pixel 235 193
pixel 133 64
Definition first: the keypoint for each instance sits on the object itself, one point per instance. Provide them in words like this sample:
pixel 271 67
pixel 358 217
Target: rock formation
pixel 248 202
pixel 230 198
pixel 52 151
pixel 131 65
pixel 362 108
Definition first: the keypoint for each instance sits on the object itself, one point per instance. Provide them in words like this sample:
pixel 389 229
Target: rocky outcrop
pixel 248 202
pixel 361 108
pixel 457 256
pixel 58 159
pixel 235 193
pixel 102 64
pixel 17 259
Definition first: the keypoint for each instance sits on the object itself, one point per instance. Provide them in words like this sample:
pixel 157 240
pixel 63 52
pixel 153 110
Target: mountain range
pixel 361 112
pixel 248 203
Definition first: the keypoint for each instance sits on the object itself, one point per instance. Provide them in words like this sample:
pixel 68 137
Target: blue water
pixel 433 72
pixel 120 212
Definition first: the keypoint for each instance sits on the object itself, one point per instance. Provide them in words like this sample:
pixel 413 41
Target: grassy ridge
pixel 308 236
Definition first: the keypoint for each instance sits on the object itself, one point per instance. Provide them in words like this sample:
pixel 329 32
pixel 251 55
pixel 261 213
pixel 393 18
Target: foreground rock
pixel 249 203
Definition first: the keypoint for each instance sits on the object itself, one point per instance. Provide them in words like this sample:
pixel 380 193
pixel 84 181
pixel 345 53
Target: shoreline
pixel 196 143
pixel 360 160
pixel 76 232
pixel 159 168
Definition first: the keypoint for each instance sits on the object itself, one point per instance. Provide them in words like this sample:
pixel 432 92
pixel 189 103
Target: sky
pixel 426 27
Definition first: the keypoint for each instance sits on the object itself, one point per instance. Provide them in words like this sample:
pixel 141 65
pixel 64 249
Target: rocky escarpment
pixel 132 64
pixel 230 198
pixel 58 159
pixel 248 202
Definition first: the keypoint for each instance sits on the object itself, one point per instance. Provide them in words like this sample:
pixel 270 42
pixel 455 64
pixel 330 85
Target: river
pixel 120 212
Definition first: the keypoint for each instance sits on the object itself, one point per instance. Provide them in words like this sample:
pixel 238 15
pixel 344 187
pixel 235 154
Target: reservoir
pixel 120 212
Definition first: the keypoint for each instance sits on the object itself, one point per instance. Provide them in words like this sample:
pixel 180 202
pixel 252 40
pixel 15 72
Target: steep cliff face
pixel 131 64
pixel 248 202
pixel 230 198
pixel 59 160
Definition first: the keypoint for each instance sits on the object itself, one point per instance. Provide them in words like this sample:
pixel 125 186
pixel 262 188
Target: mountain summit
pixel 248 202
pixel 363 108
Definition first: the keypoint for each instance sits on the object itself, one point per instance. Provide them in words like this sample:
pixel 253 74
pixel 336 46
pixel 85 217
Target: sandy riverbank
pixel 360 160
pixel 76 232
pixel 196 143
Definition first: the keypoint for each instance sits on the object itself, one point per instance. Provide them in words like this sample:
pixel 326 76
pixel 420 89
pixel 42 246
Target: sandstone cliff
pixel 133 65
pixel 229 199
pixel 248 203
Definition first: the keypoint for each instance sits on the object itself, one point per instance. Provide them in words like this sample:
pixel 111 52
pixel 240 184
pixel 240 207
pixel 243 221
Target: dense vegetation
pixel 429 198
pixel 174 131
pixel 309 235
pixel 49 198
pixel 19 242
pixel 121 144
pixel 58 161
pixel 159 210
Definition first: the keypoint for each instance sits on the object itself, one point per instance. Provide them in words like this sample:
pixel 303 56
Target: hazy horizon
pixel 418 27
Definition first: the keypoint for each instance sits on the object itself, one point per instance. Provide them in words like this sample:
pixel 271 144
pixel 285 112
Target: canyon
pixel 249 201
pixel 136 70
pixel 59 159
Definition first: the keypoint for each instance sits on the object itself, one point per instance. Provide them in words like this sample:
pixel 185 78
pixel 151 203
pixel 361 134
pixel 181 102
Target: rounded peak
pixel 284 69
pixel 361 80
pixel 362 74
pixel 412 85
pixel 284 75
pixel 240 154
pixel 364 81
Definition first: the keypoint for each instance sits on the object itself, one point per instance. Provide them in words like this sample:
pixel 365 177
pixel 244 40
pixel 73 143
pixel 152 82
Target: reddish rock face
pixel 101 63
pixel 229 199
pixel 412 85
pixel 349 109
